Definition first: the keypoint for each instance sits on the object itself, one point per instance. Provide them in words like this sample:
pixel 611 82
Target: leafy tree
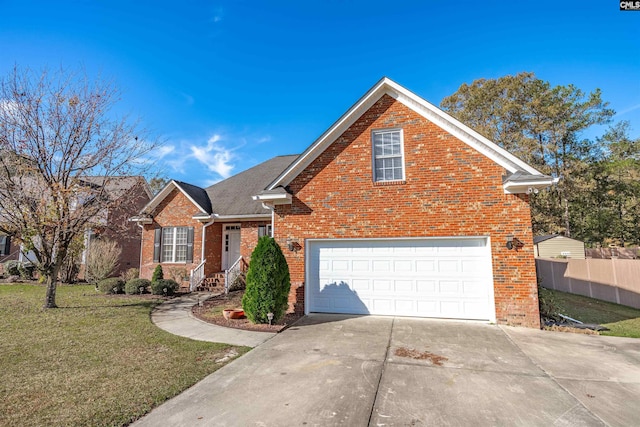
pixel 541 125
pixel 56 131
pixel 156 184
pixel 612 210
pixel 268 282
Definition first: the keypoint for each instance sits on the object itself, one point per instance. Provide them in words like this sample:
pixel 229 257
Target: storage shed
pixel 556 246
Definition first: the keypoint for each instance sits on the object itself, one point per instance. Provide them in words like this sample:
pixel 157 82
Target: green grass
pixel 96 360
pixel 621 320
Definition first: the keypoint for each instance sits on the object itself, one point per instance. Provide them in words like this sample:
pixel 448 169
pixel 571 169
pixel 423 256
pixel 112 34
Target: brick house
pixel 129 194
pixel 397 209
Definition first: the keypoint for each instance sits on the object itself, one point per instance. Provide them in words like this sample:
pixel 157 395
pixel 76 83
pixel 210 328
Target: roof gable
pixel 196 195
pixel 432 113
pixel 229 198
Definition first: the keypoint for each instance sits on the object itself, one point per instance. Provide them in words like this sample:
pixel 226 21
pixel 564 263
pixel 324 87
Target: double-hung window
pixel 265 230
pixel 388 156
pixel 174 244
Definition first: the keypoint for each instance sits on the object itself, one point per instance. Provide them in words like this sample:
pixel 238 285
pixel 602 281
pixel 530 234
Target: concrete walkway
pixel 175 316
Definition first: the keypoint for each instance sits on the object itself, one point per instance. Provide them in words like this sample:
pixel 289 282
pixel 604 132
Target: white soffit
pixel 429 111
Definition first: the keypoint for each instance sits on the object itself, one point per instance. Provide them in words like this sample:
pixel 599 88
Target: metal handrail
pixel 235 266
pixel 196 276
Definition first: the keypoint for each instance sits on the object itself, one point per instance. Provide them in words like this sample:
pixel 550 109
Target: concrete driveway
pixel 383 371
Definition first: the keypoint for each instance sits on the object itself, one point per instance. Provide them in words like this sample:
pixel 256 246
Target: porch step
pixel 212 283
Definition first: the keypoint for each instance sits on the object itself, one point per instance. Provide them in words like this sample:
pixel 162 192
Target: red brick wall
pixel 127 233
pixel 450 190
pixel 249 237
pixel 175 210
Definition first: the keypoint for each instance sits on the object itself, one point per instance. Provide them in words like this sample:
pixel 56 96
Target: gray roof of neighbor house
pixel 234 195
pixel 117 186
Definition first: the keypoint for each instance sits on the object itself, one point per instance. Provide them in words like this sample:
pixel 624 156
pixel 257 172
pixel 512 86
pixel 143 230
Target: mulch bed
pixel 211 312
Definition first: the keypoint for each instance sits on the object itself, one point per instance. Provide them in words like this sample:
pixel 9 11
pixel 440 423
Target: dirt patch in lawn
pixel 211 311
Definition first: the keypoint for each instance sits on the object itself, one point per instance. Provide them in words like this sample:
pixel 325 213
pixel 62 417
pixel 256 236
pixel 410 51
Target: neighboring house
pixel 556 246
pixel 397 209
pixel 8 251
pixel 129 194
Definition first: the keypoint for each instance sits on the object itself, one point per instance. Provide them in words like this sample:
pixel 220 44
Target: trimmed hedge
pixel 112 285
pixel 158 287
pixel 268 283
pixel 132 287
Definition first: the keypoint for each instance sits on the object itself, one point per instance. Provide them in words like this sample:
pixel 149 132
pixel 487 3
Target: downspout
pixel 141 246
pixel 204 234
pixel 273 214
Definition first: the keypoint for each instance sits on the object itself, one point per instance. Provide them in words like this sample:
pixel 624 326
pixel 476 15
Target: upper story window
pixel 388 155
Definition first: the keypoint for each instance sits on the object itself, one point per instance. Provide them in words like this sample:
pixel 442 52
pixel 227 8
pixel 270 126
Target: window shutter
pixel 157 244
pixel 190 244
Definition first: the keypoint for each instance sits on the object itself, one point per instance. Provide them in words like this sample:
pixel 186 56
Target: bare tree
pixel 57 130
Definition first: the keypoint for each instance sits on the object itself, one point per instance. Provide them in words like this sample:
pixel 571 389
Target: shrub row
pixel 17 268
pixel 115 285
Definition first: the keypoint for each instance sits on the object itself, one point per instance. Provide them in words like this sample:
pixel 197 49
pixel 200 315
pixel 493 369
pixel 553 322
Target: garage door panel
pixel 361 265
pixel 430 277
pixel 404 286
pixel 361 284
pixel 448 266
pixel 426 286
pixel 425 266
pixel 449 287
pixel 381 266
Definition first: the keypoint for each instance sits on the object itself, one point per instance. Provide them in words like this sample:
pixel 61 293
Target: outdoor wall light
pixel 513 242
pixel 293 245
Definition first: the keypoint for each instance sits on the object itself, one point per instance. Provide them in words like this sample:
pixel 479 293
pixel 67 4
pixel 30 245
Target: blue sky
pixel 227 85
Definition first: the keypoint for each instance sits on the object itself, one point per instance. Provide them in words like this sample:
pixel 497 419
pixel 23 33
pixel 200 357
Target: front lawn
pixel 96 360
pixel 622 321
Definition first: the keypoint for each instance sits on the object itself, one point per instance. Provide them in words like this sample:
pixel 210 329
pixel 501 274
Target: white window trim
pixel 373 154
pixel 173 246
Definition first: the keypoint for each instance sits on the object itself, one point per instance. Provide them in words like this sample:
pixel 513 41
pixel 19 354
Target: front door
pixel 230 245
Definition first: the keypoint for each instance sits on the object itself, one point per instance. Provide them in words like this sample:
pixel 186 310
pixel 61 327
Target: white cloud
pixel 214 156
pixel 188 99
pixel 627 110
pixel 164 150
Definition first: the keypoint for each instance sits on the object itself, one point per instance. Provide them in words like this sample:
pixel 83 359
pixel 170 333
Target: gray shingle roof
pixel 198 194
pixel 117 186
pixel 233 196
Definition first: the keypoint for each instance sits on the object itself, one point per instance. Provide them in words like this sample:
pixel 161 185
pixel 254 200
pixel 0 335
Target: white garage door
pixel 447 278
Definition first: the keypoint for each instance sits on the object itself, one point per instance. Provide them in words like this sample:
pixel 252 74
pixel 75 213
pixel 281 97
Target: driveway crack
pixel 384 366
